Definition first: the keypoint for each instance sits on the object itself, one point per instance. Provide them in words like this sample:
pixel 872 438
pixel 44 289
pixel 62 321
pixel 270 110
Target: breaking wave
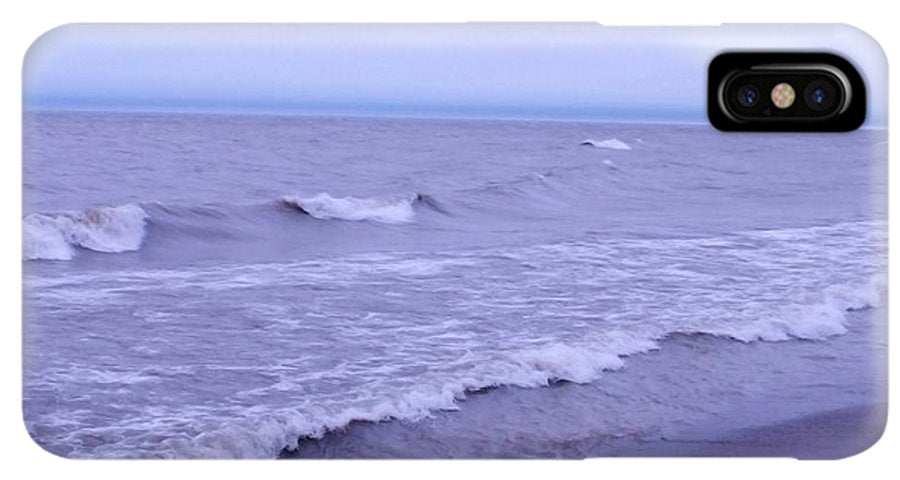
pixel 104 229
pixel 533 368
pixel 58 236
pixel 814 320
pixel 541 366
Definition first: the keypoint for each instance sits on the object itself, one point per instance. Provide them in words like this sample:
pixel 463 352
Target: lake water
pixel 220 286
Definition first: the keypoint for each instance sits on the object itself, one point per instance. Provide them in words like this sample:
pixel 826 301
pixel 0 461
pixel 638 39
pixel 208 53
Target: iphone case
pixel 432 241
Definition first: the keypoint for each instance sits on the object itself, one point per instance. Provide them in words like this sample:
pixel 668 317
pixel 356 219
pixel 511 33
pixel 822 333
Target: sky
pixel 578 71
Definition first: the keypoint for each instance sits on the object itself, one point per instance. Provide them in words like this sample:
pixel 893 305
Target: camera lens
pixel 821 95
pixel 818 96
pixel 748 96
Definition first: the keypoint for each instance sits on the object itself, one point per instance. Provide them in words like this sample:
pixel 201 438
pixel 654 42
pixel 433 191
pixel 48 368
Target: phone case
pixel 443 241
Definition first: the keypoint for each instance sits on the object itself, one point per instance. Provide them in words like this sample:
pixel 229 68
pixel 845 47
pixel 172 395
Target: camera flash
pixel 783 95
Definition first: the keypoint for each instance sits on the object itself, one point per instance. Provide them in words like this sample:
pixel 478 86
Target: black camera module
pixel 821 95
pixel 748 96
pixel 746 92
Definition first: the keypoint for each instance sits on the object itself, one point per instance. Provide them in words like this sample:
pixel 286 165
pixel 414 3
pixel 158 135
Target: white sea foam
pixel 264 437
pixel 104 229
pixel 324 206
pixel 563 362
pixel 816 319
pixel 610 143
pixel 530 368
pixel 42 239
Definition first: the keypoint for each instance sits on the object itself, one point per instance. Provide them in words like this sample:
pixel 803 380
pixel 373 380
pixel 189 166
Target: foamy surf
pixel 104 229
pixel 814 316
pixel 813 319
pixel 537 367
pixel 610 144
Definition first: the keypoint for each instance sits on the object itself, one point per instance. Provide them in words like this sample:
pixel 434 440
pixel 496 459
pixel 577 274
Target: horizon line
pixel 274 112
pixel 687 120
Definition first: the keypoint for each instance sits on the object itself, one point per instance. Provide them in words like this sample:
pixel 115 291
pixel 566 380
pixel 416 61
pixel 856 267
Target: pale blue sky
pixel 543 71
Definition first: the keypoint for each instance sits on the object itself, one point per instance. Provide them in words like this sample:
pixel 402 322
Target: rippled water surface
pixel 211 285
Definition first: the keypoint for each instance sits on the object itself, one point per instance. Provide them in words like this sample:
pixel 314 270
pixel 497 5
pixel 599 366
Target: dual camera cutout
pixel 814 92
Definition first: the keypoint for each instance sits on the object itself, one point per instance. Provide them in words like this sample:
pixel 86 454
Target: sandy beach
pixel 834 434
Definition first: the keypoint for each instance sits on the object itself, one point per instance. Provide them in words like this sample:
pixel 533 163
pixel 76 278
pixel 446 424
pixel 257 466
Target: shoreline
pixel 809 437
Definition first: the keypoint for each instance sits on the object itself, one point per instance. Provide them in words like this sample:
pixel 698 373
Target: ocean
pixel 252 286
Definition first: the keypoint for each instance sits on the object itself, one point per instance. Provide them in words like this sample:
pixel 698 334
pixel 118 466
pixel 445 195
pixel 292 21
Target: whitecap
pixel 325 207
pixel 610 143
pixel 104 229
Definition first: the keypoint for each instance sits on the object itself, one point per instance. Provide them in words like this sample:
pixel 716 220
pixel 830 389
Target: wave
pixel 58 236
pixel 811 320
pixel 538 367
pixel 104 229
pixel 279 433
pixel 385 210
pixel 610 143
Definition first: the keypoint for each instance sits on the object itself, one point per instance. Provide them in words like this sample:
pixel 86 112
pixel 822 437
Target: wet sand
pixel 828 435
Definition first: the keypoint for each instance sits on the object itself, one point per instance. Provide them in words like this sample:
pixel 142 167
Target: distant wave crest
pixel 58 236
pixel 610 144
pixel 384 210
pixel 104 229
